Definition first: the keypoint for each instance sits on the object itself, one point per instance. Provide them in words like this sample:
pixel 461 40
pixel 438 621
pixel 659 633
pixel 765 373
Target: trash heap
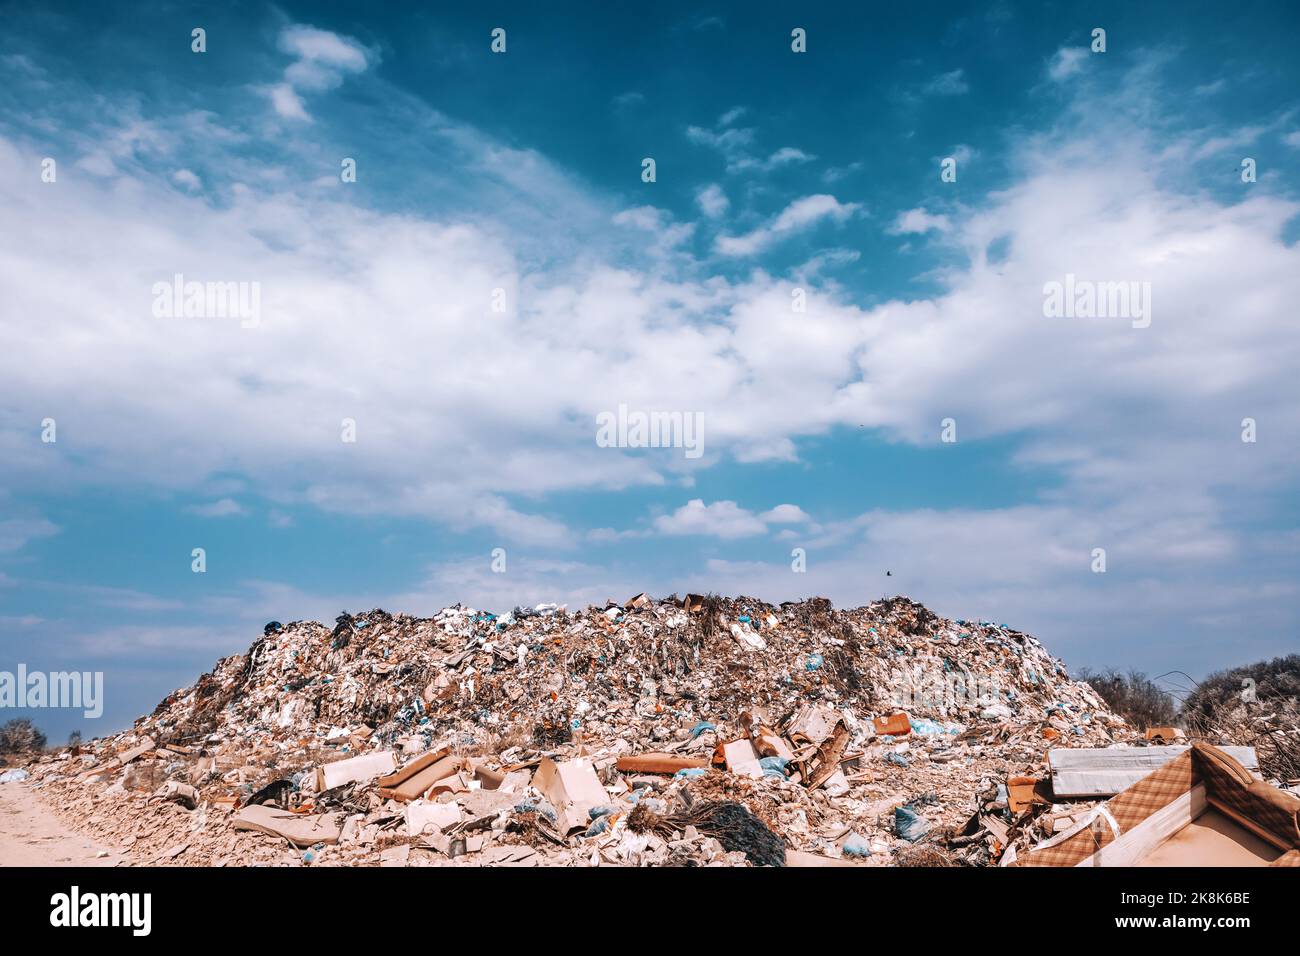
pixel 702 731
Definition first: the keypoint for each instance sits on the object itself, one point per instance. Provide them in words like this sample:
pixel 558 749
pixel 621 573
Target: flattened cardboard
pixel 355 769
pixel 421 814
pixel 416 785
pixel 297 829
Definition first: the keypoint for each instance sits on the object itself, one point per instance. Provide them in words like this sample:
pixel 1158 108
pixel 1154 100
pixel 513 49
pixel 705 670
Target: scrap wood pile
pixel 703 731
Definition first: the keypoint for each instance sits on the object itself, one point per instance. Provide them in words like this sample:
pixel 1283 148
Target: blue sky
pixel 521 171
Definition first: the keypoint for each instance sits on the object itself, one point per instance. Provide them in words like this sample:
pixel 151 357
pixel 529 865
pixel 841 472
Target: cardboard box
pixel 741 758
pixel 572 788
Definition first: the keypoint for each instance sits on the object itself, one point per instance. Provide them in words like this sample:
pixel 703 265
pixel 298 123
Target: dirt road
pixel 30 835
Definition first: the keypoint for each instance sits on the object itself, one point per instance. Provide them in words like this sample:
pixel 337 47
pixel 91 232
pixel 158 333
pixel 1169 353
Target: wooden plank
pixel 829 756
pixel 1104 772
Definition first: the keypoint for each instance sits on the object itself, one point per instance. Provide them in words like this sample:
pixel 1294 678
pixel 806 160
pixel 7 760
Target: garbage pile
pixel 703 731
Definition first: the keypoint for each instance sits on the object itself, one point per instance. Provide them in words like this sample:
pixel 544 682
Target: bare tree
pixel 1133 696
pixel 20 736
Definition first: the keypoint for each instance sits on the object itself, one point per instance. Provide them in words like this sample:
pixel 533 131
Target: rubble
pixel 700 732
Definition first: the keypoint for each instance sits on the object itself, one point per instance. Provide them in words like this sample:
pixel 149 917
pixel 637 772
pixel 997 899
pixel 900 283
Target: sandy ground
pixel 30 835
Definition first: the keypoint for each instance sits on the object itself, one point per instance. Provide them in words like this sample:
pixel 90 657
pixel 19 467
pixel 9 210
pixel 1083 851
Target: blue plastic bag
pixel 910 825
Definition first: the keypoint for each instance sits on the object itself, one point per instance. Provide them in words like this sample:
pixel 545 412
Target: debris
pixel 910 825
pixel 421 815
pixel 117 761
pixel 730 823
pixel 537 736
pixel 703 726
pixel 658 763
pixel 396 856
pixel 421 776
pixel 895 725
pixel 276 792
pixel 572 788
pixel 1201 808
pixel 174 791
pixel 1024 792
pixel 355 769
pixel 1164 735
pixel 826 763
pixel 298 830
pixel 1105 772
pixel 739 757
pixel 800 858
pixel 855 845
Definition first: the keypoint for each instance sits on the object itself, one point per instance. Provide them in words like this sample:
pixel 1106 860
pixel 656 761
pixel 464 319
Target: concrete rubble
pixel 700 732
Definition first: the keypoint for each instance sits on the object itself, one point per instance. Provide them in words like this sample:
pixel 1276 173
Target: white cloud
pixel 735 145
pixel 962 153
pixel 824 259
pixel 729 142
pixel 15 533
pixel 800 215
pixel 1066 62
pixel 785 156
pixel 286 102
pixel 784 514
pixel 1292 139
pixel 1238 138
pixel 722 519
pixel 224 508
pixel 835 173
pixel 919 221
pixel 20 621
pixel 530 580
pixel 320 50
pixel 628 100
pixel 733 114
pixel 952 83
pixel 712 201
pixel 659 223
pixel 321 61
pixel 479 416
pixel 187 178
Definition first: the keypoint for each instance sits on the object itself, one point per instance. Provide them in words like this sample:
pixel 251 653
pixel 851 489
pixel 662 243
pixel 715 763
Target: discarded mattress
pixel 1202 808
